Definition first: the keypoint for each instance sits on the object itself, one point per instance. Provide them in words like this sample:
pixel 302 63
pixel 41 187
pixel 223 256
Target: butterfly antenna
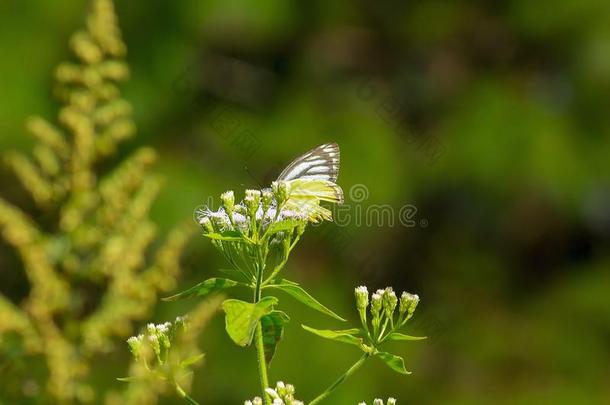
pixel 252 176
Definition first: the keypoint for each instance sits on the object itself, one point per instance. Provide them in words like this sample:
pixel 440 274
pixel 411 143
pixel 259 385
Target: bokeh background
pixel 489 120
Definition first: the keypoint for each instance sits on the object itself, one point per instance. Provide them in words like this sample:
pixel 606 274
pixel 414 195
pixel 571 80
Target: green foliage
pixel 396 363
pixel 164 356
pixel 242 317
pixel 87 251
pixel 204 288
pixel 388 315
pixel 273 332
pixel 303 296
pixel 336 335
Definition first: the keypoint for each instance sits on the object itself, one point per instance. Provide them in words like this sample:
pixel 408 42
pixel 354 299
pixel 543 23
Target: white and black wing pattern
pixel 321 163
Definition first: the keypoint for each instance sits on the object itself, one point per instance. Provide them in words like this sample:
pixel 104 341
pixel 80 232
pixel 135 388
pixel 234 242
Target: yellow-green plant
pixel 86 250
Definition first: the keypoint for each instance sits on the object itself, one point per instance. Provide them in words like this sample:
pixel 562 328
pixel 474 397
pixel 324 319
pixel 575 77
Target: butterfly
pixel 312 178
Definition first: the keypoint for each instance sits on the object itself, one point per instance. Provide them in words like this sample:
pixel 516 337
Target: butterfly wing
pixel 321 163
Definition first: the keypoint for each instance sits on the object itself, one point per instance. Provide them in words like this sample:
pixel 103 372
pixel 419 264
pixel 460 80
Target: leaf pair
pixel 242 319
pixel 351 336
pixel 213 285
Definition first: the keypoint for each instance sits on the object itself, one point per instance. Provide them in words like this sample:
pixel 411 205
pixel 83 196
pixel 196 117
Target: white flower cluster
pixel 158 337
pixel 282 394
pixel 377 401
pixel 383 305
pixel 258 209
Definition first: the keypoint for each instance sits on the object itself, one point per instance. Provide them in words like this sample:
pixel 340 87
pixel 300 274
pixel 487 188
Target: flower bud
pixel 272 393
pixel 280 190
pixel 391 401
pixel 135 345
pixel 408 303
pixel 362 297
pixel 252 199
pixel 154 343
pixel 376 302
pixel 378 401
pixel 389 301
pixel 266 198
pixel 228 201
pixel 206 224
pixel 280 388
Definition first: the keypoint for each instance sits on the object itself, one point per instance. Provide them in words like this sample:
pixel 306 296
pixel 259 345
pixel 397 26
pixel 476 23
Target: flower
pixel 389 301
pixel 362 297
pixel 282 394
pixel 376 303
pixel 408 303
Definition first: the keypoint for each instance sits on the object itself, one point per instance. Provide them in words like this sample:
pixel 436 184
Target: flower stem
pixel 262 365
pixel 184 395
pixel 260 348
pixel 341 379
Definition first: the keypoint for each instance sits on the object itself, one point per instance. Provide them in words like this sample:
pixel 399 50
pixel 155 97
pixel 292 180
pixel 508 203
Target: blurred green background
pixel 490 118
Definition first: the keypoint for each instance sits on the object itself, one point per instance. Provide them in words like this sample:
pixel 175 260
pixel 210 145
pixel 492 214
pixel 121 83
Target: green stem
pixel 184 395
pixel 260 348
pixel 262 365
pixel 341 379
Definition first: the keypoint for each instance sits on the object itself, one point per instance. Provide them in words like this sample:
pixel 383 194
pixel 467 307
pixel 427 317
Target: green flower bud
pixel 267 198
pixel 376 303
pixel 135 345
pixel 252 199
pixel 280 190
pixel 280 388
pixel 408 303
pixel 391 401
pixel 240 209
pixel 362 297
pixel 228 201
pixel 389 301
pixel 156 346
pixel 206 224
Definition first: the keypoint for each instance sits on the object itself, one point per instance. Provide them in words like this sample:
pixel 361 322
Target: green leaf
pixel 352 331
pixel 229 236
pixel 241 317
pixel 396 363
pixel 338 336
pixel 204 288
pixel 301 295
pixel 279 226
pixel 273 331
pixel 191 360
pixel 402 336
